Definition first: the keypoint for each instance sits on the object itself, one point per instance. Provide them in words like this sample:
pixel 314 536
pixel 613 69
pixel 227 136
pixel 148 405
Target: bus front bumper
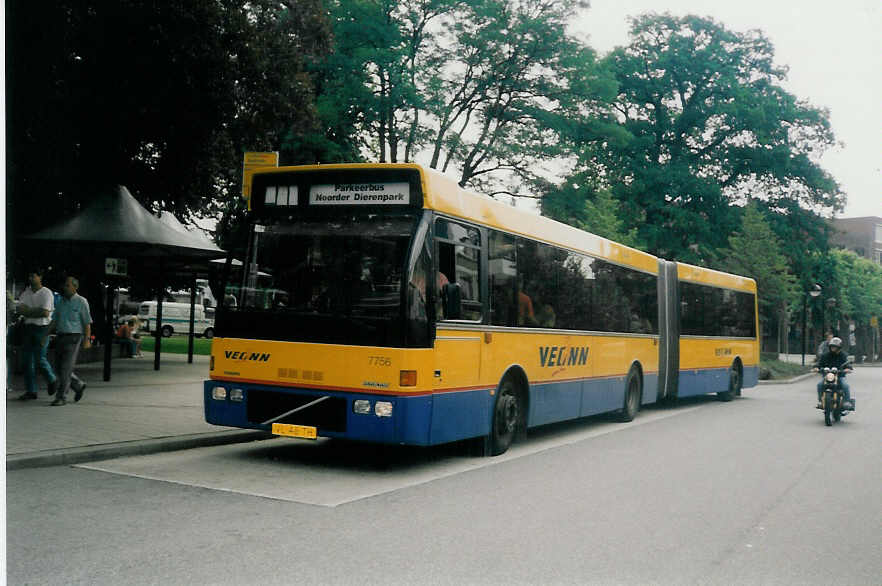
pixel 365 417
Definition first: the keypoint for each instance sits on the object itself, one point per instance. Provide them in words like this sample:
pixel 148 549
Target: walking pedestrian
pixel 11 334
pixel 73 324
pixel 36 305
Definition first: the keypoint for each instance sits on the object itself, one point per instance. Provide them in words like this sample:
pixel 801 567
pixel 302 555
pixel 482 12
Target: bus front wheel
pixel 167 331
pixel 507 416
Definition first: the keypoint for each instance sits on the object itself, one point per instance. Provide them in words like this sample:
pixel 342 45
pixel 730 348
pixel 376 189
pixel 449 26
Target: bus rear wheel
pixel 734 389
pixel 633 394
pixel 507 416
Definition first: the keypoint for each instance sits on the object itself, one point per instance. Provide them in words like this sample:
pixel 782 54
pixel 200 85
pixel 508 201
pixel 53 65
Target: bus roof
pixel 446 196
pixel 705 276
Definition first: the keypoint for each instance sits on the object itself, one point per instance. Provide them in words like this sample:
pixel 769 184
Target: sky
pixel 834 54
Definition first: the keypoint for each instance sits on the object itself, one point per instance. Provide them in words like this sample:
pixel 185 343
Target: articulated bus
pixel 407 310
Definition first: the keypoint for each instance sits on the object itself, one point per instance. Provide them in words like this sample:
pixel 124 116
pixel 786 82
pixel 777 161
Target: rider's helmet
pixel 835 342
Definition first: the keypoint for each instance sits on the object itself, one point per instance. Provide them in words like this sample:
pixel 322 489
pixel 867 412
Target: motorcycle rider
pixel 835 358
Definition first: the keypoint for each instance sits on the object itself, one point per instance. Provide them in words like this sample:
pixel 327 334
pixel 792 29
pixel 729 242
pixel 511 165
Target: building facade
pixel 860 235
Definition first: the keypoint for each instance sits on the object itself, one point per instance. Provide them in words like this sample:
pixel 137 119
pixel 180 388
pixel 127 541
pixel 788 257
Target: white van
pixel 176 319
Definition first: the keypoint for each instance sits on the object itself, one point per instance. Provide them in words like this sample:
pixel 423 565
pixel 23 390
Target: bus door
pixel 460 407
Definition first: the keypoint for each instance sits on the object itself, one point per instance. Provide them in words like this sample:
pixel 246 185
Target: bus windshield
pixel 331 280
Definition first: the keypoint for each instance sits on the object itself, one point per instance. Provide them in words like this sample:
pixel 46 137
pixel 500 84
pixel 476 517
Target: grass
pixel 178 345
pixel 783 370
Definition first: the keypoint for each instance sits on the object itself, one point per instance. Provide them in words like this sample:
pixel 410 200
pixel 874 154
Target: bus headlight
pixel 383 409
pixel 219 393
pixel 237 395
pixel 361 406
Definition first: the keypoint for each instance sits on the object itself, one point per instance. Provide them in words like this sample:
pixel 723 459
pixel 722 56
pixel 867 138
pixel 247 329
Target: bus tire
pixel 633 396
pixel 507 416
pixel 735 382
pixel 167 331
pixel 208 334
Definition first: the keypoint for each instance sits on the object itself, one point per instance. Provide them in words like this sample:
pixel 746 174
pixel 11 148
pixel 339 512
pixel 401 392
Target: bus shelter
pixel 114 238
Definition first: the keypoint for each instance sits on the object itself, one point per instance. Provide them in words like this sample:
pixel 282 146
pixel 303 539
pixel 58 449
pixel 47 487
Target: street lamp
pixel 813 292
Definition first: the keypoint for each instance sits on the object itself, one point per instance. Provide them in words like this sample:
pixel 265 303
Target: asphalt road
pixel 757 491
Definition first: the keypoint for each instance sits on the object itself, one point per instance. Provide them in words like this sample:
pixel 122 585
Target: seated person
pixel 126 338
pixel 134 326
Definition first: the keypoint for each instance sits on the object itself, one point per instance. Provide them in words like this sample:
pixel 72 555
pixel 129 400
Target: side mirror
pixel 451 300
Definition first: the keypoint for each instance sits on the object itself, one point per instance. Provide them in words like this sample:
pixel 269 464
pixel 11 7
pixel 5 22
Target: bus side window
pixel 503 275
pixel 458 252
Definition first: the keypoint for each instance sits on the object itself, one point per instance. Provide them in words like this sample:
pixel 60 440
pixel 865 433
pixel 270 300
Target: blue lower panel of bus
pixel 712 380
pixel 750 377
pixel 418 420
pixel 553 402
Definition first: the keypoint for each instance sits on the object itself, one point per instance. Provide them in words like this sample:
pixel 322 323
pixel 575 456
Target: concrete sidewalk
pixel 139 411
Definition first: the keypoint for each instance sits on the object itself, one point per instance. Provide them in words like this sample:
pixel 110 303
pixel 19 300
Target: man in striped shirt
pixel 73 324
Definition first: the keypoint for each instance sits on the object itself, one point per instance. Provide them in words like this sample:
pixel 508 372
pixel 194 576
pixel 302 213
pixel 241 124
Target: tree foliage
pixel 856 285
pixel 710 125
pixel 578 202
pixel 755 251
pixel 160 97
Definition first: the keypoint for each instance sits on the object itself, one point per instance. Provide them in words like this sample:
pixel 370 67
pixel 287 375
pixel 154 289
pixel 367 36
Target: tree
pixel 755 251
pixel 160 97
pixel 856 285
pixel 710 126
pixel 579 203
pixel 487 87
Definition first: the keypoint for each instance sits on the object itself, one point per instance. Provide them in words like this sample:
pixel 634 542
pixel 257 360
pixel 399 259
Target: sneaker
pixel 59 401
pixel 53 386
pixel 27 397
pixel 819 406
pixel 78 393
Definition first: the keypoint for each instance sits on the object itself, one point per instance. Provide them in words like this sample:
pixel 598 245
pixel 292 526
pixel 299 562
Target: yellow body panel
pixel 351 368
pixel 461 359
pixel 703 353
pixel 464 364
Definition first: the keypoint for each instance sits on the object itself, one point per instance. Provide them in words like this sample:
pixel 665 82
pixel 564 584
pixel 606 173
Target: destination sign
pixel 360 194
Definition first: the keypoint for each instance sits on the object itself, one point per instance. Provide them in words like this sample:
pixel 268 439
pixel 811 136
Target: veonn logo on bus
pixel 246 355
pixel 563 355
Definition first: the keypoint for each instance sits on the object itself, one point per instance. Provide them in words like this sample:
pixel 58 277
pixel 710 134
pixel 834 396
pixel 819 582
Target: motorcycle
pixel 832 397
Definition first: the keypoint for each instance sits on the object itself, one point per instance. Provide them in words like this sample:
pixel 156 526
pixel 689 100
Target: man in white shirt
pixel 36 304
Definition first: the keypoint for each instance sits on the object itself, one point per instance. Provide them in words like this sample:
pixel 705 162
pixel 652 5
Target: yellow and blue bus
pixel 407 310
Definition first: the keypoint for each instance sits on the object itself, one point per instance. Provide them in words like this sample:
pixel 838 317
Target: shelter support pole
pixel 108 328
pixel 157 331
pixel 192 320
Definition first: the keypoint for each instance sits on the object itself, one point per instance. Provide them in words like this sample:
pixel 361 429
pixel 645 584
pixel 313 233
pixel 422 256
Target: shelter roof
pixel 116 220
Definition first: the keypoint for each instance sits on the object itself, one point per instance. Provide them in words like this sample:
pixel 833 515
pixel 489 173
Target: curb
pixel 809 374
pixel 70 456
pixel 789 380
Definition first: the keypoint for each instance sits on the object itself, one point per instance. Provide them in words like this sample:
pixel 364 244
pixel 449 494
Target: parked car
pixel 175 319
